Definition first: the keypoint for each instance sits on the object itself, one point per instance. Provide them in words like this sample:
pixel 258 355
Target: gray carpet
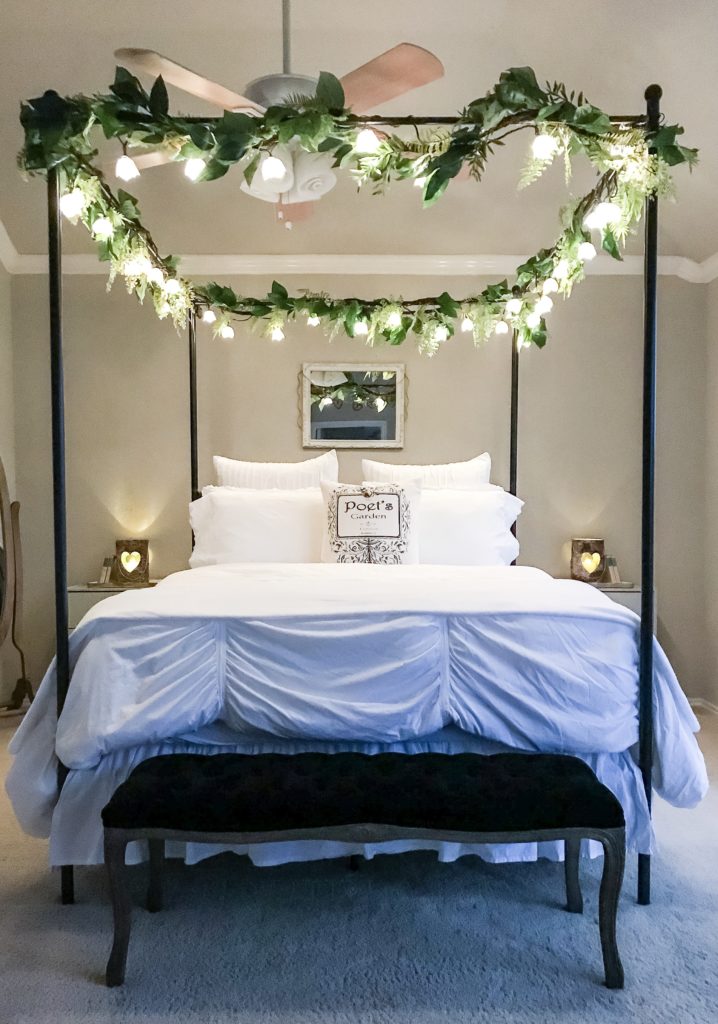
pixel 404 940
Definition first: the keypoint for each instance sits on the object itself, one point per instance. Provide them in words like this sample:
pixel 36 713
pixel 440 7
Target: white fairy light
pixel 194 167
pixel 277 334
pixel 367 142
pixel 561 270
pixel 324 403
pixel 550 286
pixel 361 327
pixel 544 305
pixel 172 286
pixel 209 316
pixel 501 327
pixel 420 181
pixel 467 324
pixel 72 203
pixel 533 320
pixel 155 276
pixel 602 216
pixel 272 169
pixel 441 332
pixel 380 404
pixel 543 147
pixel 226 332
pixel 163 309
pixel 136 266
pixel 313 321
pixel 394 319
pixel 586 251
pixel 102 228
pixel 513 307
pixel 126 169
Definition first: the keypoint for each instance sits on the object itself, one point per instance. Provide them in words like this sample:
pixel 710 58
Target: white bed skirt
pixel 76 828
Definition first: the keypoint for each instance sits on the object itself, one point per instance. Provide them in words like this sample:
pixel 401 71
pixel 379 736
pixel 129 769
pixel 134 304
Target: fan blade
pixel 389 75
pixel 155 64
pixel 290 214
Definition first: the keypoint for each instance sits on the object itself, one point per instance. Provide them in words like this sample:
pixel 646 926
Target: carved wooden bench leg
pixel 154 891
pixel 572 855
pixel 115 847
pixel 614 859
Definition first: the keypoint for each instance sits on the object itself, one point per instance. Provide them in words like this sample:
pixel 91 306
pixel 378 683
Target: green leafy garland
pixel 631 165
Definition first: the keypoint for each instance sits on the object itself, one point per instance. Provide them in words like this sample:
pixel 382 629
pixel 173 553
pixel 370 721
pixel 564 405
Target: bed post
pixel 514 435
pixel 54 235
pixel 513 454
pixel 192 336
pixel 645 719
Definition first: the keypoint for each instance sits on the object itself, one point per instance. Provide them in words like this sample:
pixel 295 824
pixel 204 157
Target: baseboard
pixel 703 704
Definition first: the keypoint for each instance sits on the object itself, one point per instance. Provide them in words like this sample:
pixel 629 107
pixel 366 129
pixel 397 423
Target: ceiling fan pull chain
pixel 286 43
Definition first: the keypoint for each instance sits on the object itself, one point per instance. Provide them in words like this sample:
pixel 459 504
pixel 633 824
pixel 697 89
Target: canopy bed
pixel 457 615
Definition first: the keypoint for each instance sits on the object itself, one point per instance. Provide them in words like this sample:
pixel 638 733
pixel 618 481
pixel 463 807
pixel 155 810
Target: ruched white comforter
pixel 348 654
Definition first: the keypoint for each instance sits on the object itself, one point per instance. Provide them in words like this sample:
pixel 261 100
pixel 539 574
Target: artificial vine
pixel 631 164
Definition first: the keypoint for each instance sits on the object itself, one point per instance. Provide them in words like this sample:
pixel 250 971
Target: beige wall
pixel 579 458
pixel 710 591
pixel 9 669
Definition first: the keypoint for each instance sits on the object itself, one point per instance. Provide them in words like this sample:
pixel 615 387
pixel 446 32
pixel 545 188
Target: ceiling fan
pixel 290 178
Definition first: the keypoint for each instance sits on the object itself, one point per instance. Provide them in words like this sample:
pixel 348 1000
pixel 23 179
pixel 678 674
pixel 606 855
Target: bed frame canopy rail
pixel 651 119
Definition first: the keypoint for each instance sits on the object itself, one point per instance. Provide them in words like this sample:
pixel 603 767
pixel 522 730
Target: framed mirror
pixel 352 405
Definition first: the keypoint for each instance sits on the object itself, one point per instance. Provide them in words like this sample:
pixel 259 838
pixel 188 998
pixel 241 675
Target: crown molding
pixel 353 264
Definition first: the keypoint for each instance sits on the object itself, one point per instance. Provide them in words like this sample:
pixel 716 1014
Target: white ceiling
pixel 609 49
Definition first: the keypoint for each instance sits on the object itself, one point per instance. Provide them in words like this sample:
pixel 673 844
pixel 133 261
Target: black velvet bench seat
pixel 360 798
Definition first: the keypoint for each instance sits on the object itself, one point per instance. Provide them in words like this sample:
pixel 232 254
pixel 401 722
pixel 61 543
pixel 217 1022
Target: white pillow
pixel 233 524
pixel 371 522
pixel 458 476
pixel 289 475
pixel 468 527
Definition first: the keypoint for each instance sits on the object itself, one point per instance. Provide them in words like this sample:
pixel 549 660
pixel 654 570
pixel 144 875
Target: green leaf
pixel 279 296
pixel 128 88
pixel 435 187
pixel 214 169
pixel 159 100
pixel 330 92
pixel 202 137
pixel 128 205
pixel 610 244
pixel 447 305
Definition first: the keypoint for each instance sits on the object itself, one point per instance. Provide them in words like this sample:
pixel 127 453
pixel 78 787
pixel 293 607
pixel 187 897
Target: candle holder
pixel 588 559
pixel 131 567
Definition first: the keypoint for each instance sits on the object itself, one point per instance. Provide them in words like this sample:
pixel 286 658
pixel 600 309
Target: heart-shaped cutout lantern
pixel 590 560
pixel 130 560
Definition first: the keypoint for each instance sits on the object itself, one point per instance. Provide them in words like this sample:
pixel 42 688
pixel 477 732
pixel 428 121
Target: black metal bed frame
pixel 651 121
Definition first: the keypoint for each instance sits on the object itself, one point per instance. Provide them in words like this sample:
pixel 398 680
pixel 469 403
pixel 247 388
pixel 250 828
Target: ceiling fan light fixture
pixel 272 169
pixel 194 167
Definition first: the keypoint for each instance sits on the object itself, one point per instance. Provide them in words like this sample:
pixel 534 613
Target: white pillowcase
pixel 289 475
pixel 468 527
pixel 458 476
pixel 371 522
pixel 247 525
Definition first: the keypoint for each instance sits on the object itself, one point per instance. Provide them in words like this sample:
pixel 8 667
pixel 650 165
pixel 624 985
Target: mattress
pixel 381 656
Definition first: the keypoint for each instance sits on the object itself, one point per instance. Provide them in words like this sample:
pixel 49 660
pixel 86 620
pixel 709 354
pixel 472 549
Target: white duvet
pixel 355 653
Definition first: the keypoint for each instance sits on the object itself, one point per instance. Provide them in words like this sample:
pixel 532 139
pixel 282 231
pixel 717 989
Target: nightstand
pixel 83 596
pixel 629 597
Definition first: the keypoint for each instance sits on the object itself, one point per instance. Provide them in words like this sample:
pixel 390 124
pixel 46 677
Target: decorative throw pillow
pixel 455 476
pixel 286 475
pixel 370 522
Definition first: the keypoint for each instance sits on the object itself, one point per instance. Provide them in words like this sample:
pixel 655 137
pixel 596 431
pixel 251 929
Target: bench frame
pixel 613 842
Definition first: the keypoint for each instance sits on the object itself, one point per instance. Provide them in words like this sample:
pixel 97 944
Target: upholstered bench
pixel 357 798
